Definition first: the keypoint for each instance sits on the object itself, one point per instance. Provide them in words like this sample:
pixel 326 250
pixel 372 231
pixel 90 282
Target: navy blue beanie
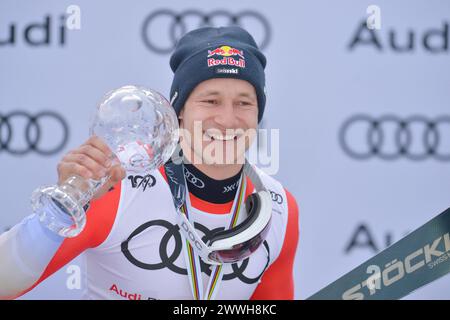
pixel 224 52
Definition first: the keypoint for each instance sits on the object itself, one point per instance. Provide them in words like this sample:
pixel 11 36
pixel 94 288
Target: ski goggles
pixel 239 242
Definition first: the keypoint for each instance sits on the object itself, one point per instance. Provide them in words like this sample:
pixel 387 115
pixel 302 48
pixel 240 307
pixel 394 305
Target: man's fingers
pixel 98 143
pixel 94 153
pixel 92 160
pixel 97 171
pixel 117 174
pixel 68 169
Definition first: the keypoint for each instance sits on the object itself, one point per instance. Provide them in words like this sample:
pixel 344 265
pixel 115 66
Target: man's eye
pixel 210 101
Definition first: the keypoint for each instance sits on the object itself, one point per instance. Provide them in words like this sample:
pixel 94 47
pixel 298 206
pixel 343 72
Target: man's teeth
pixel 222 137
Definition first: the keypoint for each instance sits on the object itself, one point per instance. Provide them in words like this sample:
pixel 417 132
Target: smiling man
pixel 132 240
pixel 219 122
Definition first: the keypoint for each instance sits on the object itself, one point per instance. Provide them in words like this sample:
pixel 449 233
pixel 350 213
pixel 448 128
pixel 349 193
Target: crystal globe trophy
pixel 141 129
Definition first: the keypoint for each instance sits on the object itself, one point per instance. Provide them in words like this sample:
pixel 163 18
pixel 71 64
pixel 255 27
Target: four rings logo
pixel 45 133
pixel 390 137
pixel 193 179
pixel 276 197
pixel 162 28
pixel 170 248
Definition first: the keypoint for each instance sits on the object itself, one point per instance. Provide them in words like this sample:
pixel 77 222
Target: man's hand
pixel 92 160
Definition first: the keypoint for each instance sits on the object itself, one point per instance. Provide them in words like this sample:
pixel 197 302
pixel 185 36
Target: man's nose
pixel 226 116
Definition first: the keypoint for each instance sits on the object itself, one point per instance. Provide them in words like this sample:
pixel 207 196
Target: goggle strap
pixel 191 235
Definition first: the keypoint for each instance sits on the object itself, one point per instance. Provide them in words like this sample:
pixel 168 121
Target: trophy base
pixel 58 211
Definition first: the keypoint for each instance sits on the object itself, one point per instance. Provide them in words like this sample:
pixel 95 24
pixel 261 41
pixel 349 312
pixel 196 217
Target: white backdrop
pixel 315 79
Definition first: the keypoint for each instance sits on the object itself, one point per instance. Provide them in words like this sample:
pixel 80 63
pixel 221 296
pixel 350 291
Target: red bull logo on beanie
pixel 230 56
pixel 226 51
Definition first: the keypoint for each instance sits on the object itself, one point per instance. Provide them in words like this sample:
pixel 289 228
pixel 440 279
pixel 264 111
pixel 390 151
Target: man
pixel 132 242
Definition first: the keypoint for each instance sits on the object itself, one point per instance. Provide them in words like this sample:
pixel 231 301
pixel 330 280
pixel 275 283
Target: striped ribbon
pixel 194 270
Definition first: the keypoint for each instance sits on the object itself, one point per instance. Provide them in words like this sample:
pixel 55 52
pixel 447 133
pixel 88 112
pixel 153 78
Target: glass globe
pixel 139 126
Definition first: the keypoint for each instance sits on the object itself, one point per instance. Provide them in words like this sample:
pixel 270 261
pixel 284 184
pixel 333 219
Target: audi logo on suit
pixel 169 256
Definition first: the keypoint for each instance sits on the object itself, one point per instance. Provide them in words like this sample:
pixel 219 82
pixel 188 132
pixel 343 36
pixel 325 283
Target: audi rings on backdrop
pixel 32 133
pixel 405 136
pixel 178 25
